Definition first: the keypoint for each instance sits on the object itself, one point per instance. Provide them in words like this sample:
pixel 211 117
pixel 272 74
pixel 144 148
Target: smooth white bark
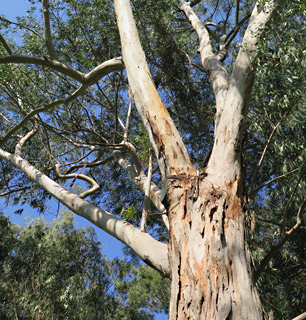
pixel 148 249
pixel 170 151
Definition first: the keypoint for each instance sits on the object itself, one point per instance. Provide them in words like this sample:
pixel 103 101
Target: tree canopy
pixel 70 118
pixel 56 271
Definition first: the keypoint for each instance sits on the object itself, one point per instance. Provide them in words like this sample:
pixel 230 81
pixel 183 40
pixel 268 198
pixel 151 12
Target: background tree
pixel 55 271
pixel 222 160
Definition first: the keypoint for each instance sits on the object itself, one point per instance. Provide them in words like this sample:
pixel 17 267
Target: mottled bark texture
pixel 209 257
pixel 208 253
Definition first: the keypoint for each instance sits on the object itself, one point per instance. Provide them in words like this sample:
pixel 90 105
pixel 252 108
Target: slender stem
pixel 6 46
pixel 146 202
pixel 274 250
pixel 45 108
pixel 24 139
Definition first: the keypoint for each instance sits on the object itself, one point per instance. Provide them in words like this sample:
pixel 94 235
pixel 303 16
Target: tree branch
pixel 227 151
pixel 152 252
pixel 272 180
pixel 45 108
pixel 86 79
pixel 6 46
pixel 274 250
pixel 263 155
pixel 47 31
pixel 75 176
pixel 211 63
pixel 170 151
pixel 300 317
pixel 146 202
pixel 24 139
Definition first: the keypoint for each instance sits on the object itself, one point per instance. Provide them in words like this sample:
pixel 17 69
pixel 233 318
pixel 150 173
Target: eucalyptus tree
pixel 195 165
pixel 56 271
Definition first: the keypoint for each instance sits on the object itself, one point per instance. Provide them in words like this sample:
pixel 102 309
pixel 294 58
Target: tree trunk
pixel 208 252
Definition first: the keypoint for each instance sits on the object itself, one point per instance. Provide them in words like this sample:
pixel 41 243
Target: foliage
pixel 55 271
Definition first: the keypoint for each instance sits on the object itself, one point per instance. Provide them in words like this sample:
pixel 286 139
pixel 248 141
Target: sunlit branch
pixel 91 181
pixel 127 122
pixel 45 62
pixel 6 46
pixel 47 30
pixel 211 63
pixel 151 251
pixel 300 317
pixel 274 250
pixel 139 178
pixel 146 202
pixel 25 138
pixel 45 108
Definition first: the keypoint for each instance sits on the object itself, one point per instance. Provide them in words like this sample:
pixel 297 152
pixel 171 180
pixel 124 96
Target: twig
pixel 12 191
pixel 274 250
pixel 45 108
pixel 264 153
pixel 272 180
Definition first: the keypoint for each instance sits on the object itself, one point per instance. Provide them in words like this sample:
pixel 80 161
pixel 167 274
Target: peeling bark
pixel 209 256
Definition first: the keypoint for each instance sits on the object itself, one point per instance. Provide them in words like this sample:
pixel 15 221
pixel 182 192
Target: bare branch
pixel 300 317
pixel 47 30
pixel 237 12
pixel 91 181
pixel 272 180
pixel 88 79
pixel 24 139
pixel 212 65
pixel 152 252
pixel 263 155
pixel 45 108
pixel 3 194
pixel 274 250
pixel 170 151
pixel 232 34
pixel 146 202
pixel 6 46
pixel 115 64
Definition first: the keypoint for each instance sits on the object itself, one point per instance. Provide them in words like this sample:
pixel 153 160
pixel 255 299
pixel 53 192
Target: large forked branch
pixel 229 132
pixel 170 151
pixel 152 252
